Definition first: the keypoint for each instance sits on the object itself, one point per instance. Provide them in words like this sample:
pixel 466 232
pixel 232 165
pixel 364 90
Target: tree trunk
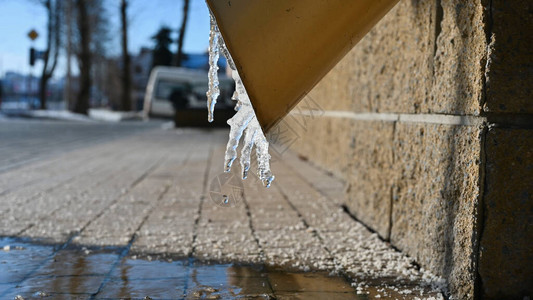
pixel 53 43
pixel 126 60
pixel 42 90
pixel 68 82
pixel 181 37
pixel 84 60
pixel 44 74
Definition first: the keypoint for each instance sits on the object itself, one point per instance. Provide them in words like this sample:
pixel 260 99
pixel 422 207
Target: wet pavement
pixel 159 195
pixel 36 271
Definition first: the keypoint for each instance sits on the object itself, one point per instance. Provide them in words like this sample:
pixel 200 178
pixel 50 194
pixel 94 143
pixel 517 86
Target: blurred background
pixel 90 55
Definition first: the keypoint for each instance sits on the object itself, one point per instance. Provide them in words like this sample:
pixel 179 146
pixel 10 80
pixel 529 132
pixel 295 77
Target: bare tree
pixel 68 81
pixel 181 36
pixel 53 44
pixel 90 43
pixel 126 60
pixel 84 57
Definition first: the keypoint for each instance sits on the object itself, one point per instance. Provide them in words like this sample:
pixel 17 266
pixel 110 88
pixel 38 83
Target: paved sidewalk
pixel 149 192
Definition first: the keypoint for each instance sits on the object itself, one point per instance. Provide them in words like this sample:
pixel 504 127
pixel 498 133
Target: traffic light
pixel 32 56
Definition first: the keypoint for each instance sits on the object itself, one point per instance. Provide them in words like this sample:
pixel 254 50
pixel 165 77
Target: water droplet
pixel 226 189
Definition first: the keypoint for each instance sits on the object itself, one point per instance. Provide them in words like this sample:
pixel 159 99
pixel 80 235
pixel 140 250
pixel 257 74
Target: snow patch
pixel 113 116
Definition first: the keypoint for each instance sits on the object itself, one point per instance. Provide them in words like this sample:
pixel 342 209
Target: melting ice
pixel 244 122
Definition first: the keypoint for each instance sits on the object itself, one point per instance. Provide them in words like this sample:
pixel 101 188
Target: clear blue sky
pixel 18 17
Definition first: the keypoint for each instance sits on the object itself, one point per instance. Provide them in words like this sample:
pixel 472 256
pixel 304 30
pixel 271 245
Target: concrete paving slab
pixel 149 194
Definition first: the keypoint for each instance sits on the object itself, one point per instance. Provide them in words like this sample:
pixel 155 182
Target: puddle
pixel 37 271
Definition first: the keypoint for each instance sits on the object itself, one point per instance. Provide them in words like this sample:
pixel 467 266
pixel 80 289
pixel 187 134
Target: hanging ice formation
pixel 244 121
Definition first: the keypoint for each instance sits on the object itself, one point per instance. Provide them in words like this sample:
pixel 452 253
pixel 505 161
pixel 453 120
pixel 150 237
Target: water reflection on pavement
pixel 35 271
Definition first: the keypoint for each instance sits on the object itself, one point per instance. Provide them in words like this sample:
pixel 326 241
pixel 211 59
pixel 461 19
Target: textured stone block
pixel 459 59
pixel 510 61
pixel 371 175
pixel 326 141
pixel 506 255
pixel 436 196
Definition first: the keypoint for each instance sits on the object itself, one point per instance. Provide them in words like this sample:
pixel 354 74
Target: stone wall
pixel 427 120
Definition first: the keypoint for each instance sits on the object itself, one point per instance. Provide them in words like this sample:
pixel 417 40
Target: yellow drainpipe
pixel 283 48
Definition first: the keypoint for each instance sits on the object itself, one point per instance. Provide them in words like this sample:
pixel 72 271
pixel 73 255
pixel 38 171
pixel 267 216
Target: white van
pixel 164 81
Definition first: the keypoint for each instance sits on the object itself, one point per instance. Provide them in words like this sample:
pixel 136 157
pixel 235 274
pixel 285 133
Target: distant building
pixel 21 91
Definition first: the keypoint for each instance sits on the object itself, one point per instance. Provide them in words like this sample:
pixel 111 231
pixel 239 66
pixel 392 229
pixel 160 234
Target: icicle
pixel 263 158
pixel 247 152
pixel 238 123
pixel 213 92
pixel 244 121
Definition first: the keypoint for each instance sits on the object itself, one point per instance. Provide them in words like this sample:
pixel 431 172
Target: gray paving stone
pixel 150 193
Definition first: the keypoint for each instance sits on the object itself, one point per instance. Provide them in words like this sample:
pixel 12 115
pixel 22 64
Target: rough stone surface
pixel 459 59
pixel 326 140
pixel 371 178
pixel 436 195
pixel 510 61
pixel 506 256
